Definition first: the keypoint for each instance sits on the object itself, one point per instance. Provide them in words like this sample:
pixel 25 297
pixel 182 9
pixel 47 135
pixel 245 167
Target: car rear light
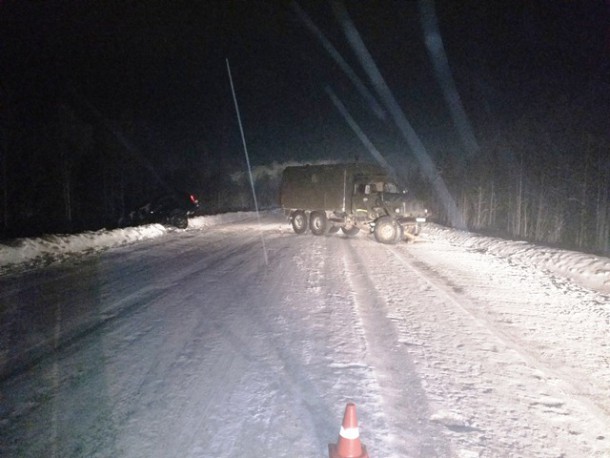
pixel 194 199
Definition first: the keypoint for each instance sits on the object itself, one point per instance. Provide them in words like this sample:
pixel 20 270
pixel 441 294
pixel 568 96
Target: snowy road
pixel 188 345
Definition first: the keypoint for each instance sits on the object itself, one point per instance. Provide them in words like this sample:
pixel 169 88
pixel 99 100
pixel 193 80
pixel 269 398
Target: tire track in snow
pixel 187 392
pixel 23 358
pixel 247 412
pixel 133 348
pixel 465 359
pixel 399 386
pixel 461 302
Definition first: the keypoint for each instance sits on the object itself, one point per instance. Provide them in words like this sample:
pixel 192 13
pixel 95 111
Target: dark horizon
pixel 533 77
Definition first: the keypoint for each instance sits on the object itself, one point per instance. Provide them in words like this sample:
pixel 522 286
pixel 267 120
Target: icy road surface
pixel 188 345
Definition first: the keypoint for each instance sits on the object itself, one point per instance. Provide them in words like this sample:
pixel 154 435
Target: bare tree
pixel 75 140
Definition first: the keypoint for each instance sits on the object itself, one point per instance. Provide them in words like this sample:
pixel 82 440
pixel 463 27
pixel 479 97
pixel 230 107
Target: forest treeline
pixel 543 177
pixel 67 169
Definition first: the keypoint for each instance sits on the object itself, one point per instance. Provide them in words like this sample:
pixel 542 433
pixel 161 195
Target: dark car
pixel 172 209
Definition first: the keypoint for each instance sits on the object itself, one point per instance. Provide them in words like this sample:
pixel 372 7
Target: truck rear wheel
pixel 387 230
pixel 318 223
pixel 298 218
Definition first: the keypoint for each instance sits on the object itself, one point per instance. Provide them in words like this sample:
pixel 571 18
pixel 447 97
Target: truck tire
pixel 387 230
pixel 298 219
pixel 351 230
pixel 400 233
pixel 318 223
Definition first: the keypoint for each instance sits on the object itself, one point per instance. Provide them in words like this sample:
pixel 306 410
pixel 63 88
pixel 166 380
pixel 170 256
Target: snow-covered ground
pixel 26 253
pixel 587 270
pixel 197 343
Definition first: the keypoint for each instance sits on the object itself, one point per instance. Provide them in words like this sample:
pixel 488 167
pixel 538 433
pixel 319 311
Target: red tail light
pixel 194 199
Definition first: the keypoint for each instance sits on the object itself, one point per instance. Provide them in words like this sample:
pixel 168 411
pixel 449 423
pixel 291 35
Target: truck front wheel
pixel 387 230
pixel 298 218
pixel 318 223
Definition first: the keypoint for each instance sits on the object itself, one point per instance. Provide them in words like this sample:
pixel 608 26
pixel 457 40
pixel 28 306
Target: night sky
pixel 161 66
pixel 165 63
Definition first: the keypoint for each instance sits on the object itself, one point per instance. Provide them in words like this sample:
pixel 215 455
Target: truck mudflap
pixel 411 226
pixel 411 230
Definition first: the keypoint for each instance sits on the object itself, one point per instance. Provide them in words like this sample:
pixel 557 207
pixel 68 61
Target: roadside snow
pixel 587 270
pixel 37 251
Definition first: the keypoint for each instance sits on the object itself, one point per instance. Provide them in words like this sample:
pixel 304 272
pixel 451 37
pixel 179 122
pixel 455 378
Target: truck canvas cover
pixel 324 187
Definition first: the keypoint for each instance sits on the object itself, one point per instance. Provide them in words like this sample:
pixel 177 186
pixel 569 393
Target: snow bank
pixel 222 218
pixel 57 246
pixel 587 270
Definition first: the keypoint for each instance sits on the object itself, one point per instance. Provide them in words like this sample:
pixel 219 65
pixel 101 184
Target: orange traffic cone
pixel 349 445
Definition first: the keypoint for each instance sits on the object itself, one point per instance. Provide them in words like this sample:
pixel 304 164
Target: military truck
pixel 349 197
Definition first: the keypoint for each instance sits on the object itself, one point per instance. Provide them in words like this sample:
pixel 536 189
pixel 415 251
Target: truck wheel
pixel 351 230
pixel 387 230
pixel 400 233
pixel 318 223
pixel 298 218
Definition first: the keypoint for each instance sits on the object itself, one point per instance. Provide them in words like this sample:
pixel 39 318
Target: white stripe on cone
pixel 349 433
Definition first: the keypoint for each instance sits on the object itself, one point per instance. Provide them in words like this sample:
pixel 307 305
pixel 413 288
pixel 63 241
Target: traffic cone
pixel 349 445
